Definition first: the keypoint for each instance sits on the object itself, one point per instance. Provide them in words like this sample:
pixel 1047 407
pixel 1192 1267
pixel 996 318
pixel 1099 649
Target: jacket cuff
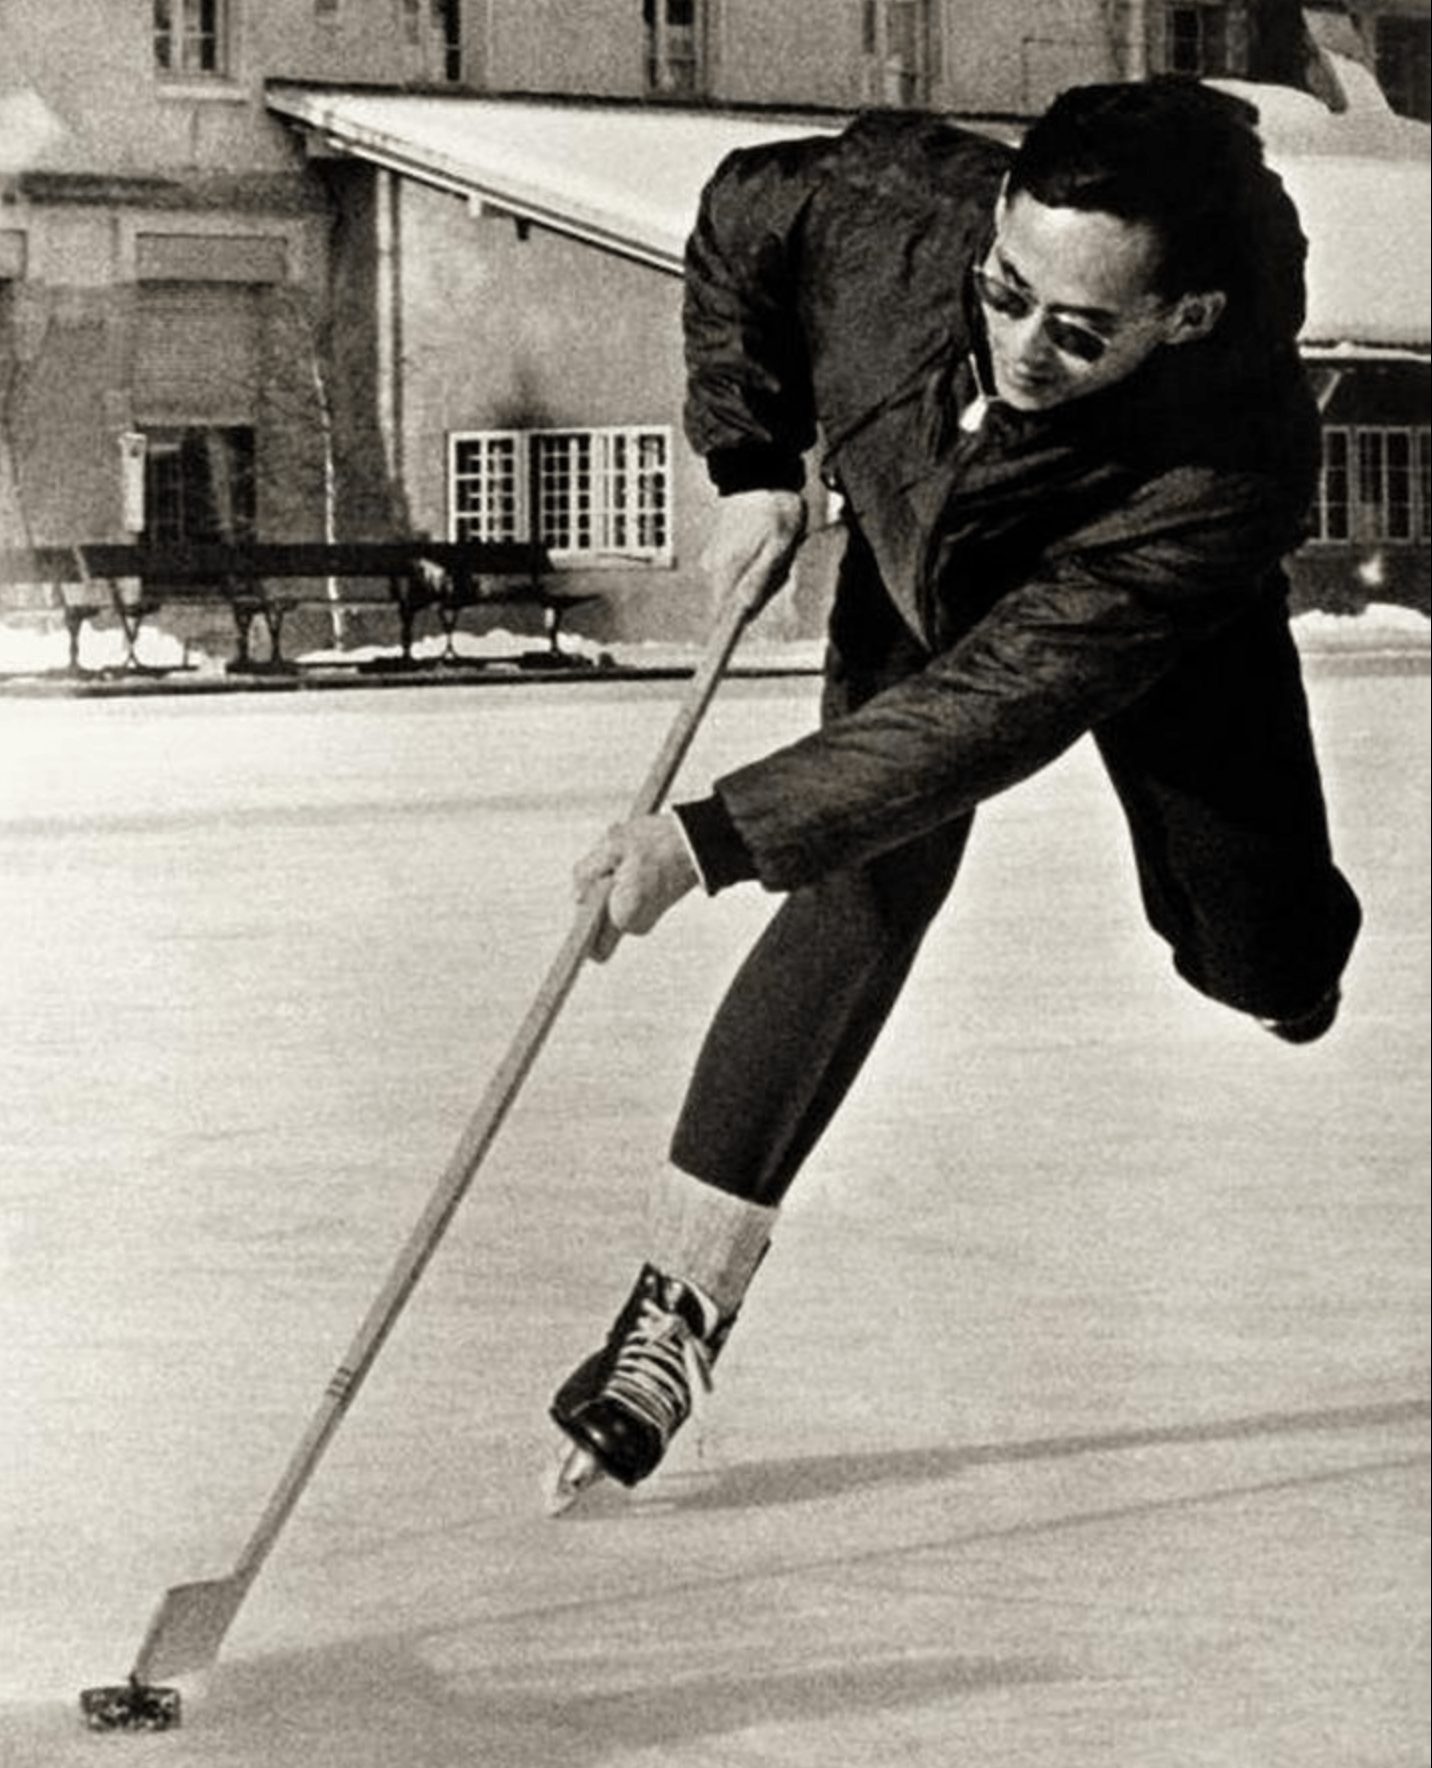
pixel 716 845
pixel 754 466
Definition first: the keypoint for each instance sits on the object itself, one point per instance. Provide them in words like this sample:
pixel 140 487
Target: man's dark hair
pixel 1187 162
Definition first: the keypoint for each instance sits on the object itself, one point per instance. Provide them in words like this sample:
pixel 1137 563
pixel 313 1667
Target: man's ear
pixel 1194 316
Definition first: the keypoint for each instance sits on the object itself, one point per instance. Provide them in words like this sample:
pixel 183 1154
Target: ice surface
pixel 1077 1418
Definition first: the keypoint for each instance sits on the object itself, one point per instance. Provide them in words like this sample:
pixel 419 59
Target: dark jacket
pixel 1058 572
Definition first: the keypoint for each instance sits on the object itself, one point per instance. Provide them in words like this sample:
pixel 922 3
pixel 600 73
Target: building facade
pixel 213 325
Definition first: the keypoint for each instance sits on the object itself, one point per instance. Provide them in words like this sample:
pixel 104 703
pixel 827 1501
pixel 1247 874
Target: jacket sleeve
pixel 749 405
pixel 1101 618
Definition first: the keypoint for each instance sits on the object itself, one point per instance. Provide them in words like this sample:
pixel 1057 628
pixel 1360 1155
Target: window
pixel 584 494
pixel 431 33
pixel 1401 52
pixel 189 37
pixel 198 485
pixel 674 47
pixel 1334 514
pixel 487 486
pixel 1196 40
pixel 447 21
pixel 1374 485
pixel 897 37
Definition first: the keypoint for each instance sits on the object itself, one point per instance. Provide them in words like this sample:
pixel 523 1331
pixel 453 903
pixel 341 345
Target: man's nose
pixel 1032 348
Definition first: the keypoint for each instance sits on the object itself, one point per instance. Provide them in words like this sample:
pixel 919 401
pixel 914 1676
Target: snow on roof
pixel 615 176
pixel 628 180
pixel 1360 179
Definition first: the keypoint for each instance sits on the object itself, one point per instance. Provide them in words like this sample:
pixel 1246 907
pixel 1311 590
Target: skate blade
pixel 575 1471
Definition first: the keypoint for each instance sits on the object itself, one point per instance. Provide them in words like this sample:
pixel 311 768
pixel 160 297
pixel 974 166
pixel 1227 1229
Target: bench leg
pixel 273 620
pixel 449 615
pixel 131 619
pixel 407 615
pixel 244 618
pixel 74 625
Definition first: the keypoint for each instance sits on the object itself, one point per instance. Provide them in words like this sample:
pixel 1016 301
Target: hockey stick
pixel 190 1624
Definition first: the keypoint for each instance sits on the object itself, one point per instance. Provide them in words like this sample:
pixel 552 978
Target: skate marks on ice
pixel 808 1478
pixel 429 1701
pixel 783 1648
pixel 1196 1550
pixel 582 1711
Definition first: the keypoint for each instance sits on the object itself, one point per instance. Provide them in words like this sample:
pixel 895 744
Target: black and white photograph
pixel 714 914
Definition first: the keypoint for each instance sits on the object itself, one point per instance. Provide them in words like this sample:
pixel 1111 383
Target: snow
pixel 1360 179
pixel 1380 626
pixel 630 180
pixel 41 646
pixel 1081 1404
pixel 611 174
pixel 1367 224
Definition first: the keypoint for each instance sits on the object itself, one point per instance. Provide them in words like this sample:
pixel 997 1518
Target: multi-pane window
pixel 1196 40
pixel 189 36
pixel 582 494
pixel 673 35
pixel 1374 484
pixel 487 483
pixel 1334 515
pixel 199 484
pixel 897 37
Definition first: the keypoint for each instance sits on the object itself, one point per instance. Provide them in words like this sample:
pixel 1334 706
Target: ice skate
pixel 619 1410
pixel 573 1472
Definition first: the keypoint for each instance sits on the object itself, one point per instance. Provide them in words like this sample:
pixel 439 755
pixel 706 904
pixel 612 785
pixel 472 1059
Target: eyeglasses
pixel 1067 335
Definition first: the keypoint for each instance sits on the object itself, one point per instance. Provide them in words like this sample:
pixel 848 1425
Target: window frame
pixel 883 39
pixel 1363 485
pixel 167 442
pixel 1206 13
pixel 178 34
pixel 664 50
pixel 613 493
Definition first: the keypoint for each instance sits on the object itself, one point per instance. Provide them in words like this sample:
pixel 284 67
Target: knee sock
pixel 707 1238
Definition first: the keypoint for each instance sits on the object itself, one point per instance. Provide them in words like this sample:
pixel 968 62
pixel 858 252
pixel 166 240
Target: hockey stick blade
pixel 183 1639
pixel 189 1627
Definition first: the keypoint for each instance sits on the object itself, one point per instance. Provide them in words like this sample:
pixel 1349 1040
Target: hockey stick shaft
pixel 189 1626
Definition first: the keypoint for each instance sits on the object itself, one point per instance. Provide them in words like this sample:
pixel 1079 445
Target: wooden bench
pixel 261 581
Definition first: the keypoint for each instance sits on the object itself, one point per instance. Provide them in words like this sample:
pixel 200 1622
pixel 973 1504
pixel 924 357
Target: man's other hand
pixel 751 545
pixel 648 867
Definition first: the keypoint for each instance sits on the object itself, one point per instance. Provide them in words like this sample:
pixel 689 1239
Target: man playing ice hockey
pixel 1058 390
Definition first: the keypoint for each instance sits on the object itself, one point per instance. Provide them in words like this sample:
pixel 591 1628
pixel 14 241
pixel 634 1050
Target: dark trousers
pixel 802 1014
pixel 1217 777
pixel 806 1007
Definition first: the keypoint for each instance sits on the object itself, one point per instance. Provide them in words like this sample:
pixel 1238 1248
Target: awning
pixel 628 178
pixel 615 176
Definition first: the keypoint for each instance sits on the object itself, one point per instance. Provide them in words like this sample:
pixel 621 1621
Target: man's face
pixel 1069 303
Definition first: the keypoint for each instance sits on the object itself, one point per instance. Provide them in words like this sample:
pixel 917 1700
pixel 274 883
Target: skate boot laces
pixel 662 1368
